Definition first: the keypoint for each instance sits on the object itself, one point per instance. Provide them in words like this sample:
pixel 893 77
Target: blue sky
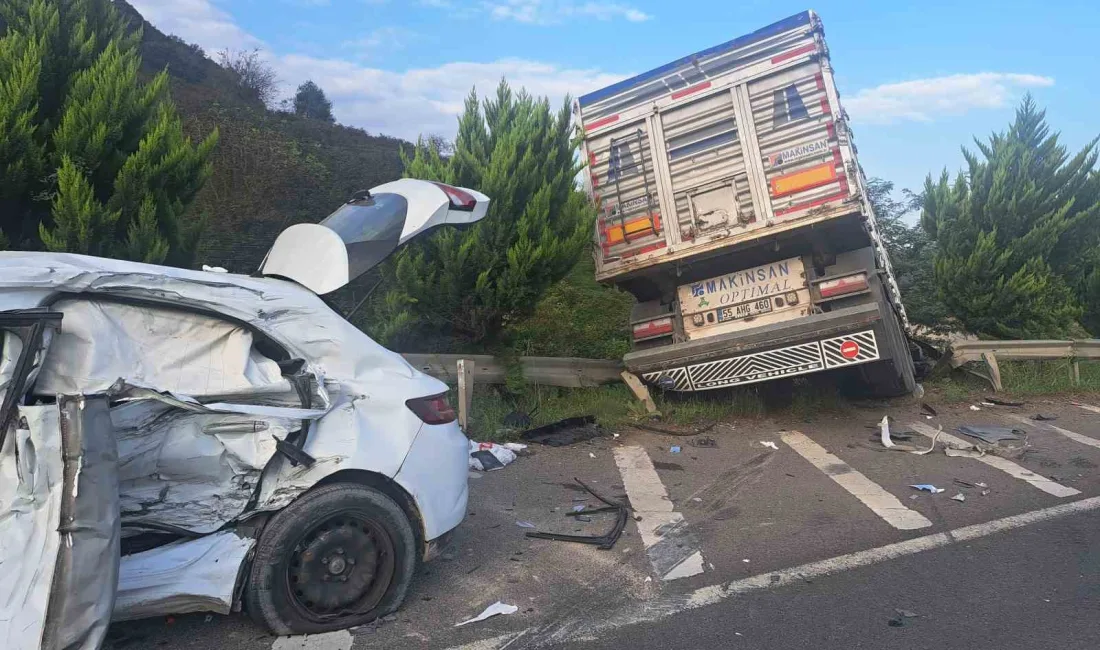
pixel 918 81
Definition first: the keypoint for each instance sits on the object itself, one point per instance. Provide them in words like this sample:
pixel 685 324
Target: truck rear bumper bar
pixel 819 342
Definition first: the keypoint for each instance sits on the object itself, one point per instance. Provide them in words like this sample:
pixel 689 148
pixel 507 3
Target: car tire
pixel 340 555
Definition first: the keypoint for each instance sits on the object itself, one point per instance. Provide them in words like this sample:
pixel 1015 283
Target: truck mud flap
pixel 801 359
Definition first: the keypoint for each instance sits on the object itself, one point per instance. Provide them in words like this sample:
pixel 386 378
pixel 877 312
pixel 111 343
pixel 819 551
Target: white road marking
pixel 871 494
pixel 1087 407
pixel 577 628
pixel 339 640
pixel 1003 464
pixel 1047 426
pixel 664 533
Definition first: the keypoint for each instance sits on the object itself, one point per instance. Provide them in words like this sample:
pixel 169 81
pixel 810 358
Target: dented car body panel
pixel 198 442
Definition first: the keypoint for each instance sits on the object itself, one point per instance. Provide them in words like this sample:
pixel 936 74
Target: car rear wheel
pixel 341 555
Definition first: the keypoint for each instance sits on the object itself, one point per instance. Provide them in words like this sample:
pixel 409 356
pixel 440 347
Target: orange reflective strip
pixel 614 234
pixel 815 176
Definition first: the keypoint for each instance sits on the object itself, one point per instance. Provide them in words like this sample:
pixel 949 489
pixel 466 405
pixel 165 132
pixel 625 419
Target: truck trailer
pixel 732 206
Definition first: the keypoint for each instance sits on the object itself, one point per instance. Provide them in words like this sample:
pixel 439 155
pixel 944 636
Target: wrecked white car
pixel 175 441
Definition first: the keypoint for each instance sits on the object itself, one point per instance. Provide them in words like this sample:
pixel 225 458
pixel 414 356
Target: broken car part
pixel 603 542
pixel 990 434
pixel 564 432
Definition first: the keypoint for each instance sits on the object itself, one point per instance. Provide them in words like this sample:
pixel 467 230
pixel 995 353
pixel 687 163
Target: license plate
pixel 744 310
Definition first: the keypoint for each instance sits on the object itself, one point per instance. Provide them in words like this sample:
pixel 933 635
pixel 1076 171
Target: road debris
pixel 518 419
pixel 928 410
pixel 704 442
pixel 591 455
pixel 489 456
pixel 495 609
pixel 1043 417
pixel 579 508
pixel 525 524
pixel 963 453
pixel 603 542
pixel 992 435
pixel 905 613
pixel 674 449
pixel 884 429
pixel 769 444
pixel 564 432
pixel 960 497
pixel 927 487
pixel 974 408
pixel 997 401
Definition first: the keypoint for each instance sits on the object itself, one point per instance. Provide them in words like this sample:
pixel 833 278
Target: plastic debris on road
pixel 974 408
pixel 674 449
pixel 992 435
pixel 525 524
pixel 960 497
pixel 769 444
pixel 579 507
pixel 927 487
pixel 884 429
pixel 488 456
pixel 495 609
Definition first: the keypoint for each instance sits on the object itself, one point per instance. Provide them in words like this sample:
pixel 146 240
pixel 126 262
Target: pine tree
pixel 467 284
pixel 310 102
pixel 92 159
pixel 1017 233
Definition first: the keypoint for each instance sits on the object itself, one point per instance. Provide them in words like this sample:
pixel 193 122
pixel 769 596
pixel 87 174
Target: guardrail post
pixel 994 370
pixel 641 392
pixel 1076 372
pixel 465 392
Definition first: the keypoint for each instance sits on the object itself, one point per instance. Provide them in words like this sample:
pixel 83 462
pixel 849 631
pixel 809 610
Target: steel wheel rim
pixel 342 566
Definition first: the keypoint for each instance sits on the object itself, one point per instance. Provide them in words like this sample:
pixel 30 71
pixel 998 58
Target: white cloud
pixel 398 103
pixel 556 11
pixel 393 38
pixel 197 21
pixel 923 100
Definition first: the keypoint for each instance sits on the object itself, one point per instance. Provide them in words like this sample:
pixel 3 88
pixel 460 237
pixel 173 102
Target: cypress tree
pixel 467 284
pixel 1017 233
pixel 92 159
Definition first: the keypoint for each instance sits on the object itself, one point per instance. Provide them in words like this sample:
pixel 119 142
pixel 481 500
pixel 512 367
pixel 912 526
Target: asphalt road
pixel 792 533
pixel 1037 587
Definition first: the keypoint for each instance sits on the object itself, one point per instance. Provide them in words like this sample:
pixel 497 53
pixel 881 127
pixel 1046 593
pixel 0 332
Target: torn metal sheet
pixel 59 529
pixel 197 575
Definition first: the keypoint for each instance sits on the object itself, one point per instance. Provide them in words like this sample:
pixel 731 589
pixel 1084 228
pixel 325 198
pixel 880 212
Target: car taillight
pixel 459 200
pixel 651 328
pixel 840 286
pixel 432 410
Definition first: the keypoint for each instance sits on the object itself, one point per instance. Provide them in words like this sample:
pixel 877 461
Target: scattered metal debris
pixel 992 435
pixel 928 410
pixel 960 497
pixel 603 542
pixel 674 432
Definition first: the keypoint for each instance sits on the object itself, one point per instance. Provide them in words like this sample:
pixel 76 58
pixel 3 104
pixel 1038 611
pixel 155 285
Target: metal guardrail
pixel 963 352
pixel 567 372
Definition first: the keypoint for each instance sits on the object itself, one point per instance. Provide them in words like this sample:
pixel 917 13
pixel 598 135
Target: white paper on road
pixel 490 611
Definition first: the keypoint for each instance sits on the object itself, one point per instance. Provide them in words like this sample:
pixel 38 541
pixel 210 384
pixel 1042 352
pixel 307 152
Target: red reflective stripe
pixel 825 106
pixel 843 178
pixel 837 160
pixel 812 204
pixel 693 89
pixel 805 49
pixel 820 79
pixel 830 128
pixel 598 123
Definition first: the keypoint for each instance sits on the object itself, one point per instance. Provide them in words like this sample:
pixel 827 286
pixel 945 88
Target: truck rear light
pixel 841 286
pixel 459 200
pixel 432 410
pixel 652 328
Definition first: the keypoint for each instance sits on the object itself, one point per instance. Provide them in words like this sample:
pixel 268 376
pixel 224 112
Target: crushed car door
pixel 59 509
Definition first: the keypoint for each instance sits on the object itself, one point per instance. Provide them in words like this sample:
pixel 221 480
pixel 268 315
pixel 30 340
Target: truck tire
pixel 340 555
